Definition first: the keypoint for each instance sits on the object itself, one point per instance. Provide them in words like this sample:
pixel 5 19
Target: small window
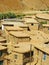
pixel 32 24
pixel 48 28
pixel 28 29
pixel 1 62
pixel 0 27
pixel 15 56
pixel 28 54
pixel 0 53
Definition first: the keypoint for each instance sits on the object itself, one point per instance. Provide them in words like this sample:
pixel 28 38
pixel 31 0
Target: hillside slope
pixel 14 5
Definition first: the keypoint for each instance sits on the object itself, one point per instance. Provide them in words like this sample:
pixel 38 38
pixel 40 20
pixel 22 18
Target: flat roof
pixel 42 47
pixel 8 23
pixel 29 21
pixel 20 24
pixel 2 48
pixel 38 36
pixel 45 25
pixel 19 34
pixel 13 28
pixel 8 57
pixel 13 20
pixel 43 16
pixel 23 48
pixel 2 39
pixel 29 16
pixel 5 44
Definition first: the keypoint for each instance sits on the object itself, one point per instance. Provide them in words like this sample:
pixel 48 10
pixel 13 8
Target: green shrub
pixel 1 16
pixel 20 16
pixel 5 16
pixel 45 22
pixel 11 15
